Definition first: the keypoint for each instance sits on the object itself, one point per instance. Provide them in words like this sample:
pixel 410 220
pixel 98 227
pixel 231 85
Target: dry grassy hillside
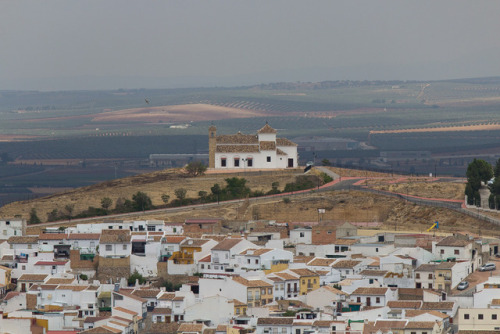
pixel 351 206
pixel 154 184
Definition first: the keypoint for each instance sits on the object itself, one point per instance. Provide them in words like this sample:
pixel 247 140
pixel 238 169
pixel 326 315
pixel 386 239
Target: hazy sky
pixel 52 45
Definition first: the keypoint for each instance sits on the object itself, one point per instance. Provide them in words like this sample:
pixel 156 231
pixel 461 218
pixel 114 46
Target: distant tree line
pixel 234 188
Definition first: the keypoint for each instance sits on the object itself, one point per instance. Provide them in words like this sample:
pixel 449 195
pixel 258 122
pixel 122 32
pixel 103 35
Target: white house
pixel 115 243
pixel 255 259
pixel 260 151
pixel 12 227
pixel 301 235
pixel 374 296
pixel 281 325
pixel 326 297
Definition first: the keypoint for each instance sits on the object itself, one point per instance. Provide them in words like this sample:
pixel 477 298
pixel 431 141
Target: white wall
pixel 217 309
pixel 145 265
pixel 117 250
pixel 301 236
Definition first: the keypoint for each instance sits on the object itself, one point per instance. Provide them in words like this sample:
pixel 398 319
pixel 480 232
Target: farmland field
pixel 85 136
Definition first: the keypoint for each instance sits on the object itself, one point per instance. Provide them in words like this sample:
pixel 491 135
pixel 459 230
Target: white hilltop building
pixel 260 151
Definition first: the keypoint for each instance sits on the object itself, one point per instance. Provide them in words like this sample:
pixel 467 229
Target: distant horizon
pixel 243 85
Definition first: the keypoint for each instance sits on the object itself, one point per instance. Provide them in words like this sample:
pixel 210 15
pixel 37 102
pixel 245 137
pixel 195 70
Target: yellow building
pixel 442 276
pixel 187 250
pixel 5 277
pixel 240 308
pixel 308 279
pixel 258 292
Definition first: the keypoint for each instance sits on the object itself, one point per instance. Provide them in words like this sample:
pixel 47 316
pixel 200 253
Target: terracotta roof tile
pixel 237 148
pixel 23 240
pixel 33 277
pixel 411 304
pixel 227 244
pixel 420 325
pixel 173 239
pixel 284 142
pixel 162 310
pixel 267 145
pixel 321 262
pixel 146 293
pixel 452 241
pixel 437 305
pixel 275 321
pixel 266 129
pixel 304 272
pixel 185 327
pixel 251 283
pixel 280 152
pixel 255 252
pixel 238 138
pixel 345 264
pixel 115 237
pixel 369 291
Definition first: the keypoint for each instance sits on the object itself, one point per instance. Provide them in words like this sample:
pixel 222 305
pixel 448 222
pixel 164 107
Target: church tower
pixel 212 143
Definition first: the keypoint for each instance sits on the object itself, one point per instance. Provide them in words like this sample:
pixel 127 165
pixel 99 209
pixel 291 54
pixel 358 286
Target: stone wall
pixel 113 268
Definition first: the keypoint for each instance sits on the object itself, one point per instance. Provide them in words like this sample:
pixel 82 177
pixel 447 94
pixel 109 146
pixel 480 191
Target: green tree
pixel 34 217
pixel 106 203
pixel 53 215
pixel 496 172
pixel 135 276
pixel 477 171
pixel 141 201
pixel 180 193
pixel 202 194
pixel 165 198
pixel 236 187
pixel 196 168
pixel 326 162
pixel 69 209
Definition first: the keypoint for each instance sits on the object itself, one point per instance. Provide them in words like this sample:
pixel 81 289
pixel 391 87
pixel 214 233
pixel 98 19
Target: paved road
pixel 339 183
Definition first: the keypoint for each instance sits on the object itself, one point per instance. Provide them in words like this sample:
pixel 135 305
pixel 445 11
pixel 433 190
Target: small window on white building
pixel 109 247
pixel 124 247
pixel 249 162
pixel 223 162
pixel 236 162
pixel 268 159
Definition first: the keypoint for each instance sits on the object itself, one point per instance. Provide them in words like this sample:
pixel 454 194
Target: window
pixel 456 252
pixel 124 247
pixel 493 317
pixel 269 291
pixel 29 246
pixel 109 247
pixel 248 261
pixel 442 251
pixel 283 330
pixel 92 244
pixel 223 162
pixel 430 285
pixel 413 332
pixel 480 316
pixel 358 299
pixel 249 162
pixel 23 267
pixel 236 162
pixel 202 266
pixel 256 261
pixel 302 234
pixel 151 228
pixel 417 275
pixel 430 276
pixel 466 316
pixel 263 291
pixel 237 310
pixel 377 300
pixel 268 159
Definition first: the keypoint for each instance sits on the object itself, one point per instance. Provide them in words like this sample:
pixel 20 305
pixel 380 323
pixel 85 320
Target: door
pixel 368 301
pixel 290 162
